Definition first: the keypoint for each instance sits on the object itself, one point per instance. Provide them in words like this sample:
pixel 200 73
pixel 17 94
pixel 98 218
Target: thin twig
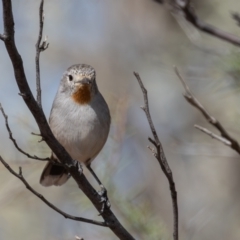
pixel 14 140
pixel 207 28
pixel 66 215
pixel 39 135
pixel 212 120
pixel 184 8
pixel 36 134
pixel 213 135
pixel 160 156
pixel 194 36
pixel 39 48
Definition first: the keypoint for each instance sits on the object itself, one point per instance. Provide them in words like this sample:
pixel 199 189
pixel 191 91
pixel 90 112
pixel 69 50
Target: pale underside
pixel 81 129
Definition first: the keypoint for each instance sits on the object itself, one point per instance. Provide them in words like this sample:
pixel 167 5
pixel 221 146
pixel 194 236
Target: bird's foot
pixel 104 199
pixel 76 164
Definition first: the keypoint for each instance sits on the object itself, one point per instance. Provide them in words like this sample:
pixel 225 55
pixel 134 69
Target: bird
pixel 79 119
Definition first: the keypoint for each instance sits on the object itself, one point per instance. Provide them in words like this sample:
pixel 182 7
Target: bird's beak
pixel 82 81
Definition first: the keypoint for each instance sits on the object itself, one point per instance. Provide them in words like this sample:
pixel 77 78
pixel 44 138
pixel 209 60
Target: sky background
pixel 117 38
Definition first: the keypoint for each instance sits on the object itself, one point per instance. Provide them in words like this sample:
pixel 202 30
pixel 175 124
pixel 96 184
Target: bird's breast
pixel 82 95
pixel 81 129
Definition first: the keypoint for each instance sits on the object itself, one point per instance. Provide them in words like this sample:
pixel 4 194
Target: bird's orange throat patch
pixel 82 95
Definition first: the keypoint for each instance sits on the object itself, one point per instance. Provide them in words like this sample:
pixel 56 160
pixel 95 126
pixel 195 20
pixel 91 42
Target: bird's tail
pixel 54 175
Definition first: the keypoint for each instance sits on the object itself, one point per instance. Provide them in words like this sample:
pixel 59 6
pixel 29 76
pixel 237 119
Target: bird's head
pixel 79 82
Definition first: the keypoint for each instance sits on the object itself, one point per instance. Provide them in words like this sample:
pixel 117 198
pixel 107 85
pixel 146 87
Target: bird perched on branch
pixel 80 121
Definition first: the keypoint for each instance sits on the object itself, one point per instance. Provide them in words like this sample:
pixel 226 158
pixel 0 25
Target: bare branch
pixel 66 215
pixel 39 135
pixel 160 156
pixel 213 135
pixel 36 134
pixel 14 140
pixel 39 48
pixel 185 8
pixel 194 102
pixel 37 112
pixel 207 28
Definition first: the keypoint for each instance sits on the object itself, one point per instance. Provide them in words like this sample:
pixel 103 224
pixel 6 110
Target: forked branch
pixel 14 140
pixel 229 140
pixel 66 215
pixel 184 8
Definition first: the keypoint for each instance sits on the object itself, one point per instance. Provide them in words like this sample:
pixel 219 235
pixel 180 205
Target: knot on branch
pixel 44 45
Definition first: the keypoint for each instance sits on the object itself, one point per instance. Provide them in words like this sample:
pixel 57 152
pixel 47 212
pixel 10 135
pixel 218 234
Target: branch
pixel 185 8
pixel 66 215
pixel 213 135
pixel 158 153
pixel 39 48
pixel 213 121
pixel 45 130
pixel 14 140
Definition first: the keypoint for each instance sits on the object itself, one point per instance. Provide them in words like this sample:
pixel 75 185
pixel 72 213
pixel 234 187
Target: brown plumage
pixel 83 94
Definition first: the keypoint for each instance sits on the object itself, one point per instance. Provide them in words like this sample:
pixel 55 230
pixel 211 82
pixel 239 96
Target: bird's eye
pixel 70 77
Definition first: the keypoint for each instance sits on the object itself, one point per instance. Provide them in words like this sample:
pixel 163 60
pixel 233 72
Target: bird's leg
pixel 102 192
pixel 94 174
